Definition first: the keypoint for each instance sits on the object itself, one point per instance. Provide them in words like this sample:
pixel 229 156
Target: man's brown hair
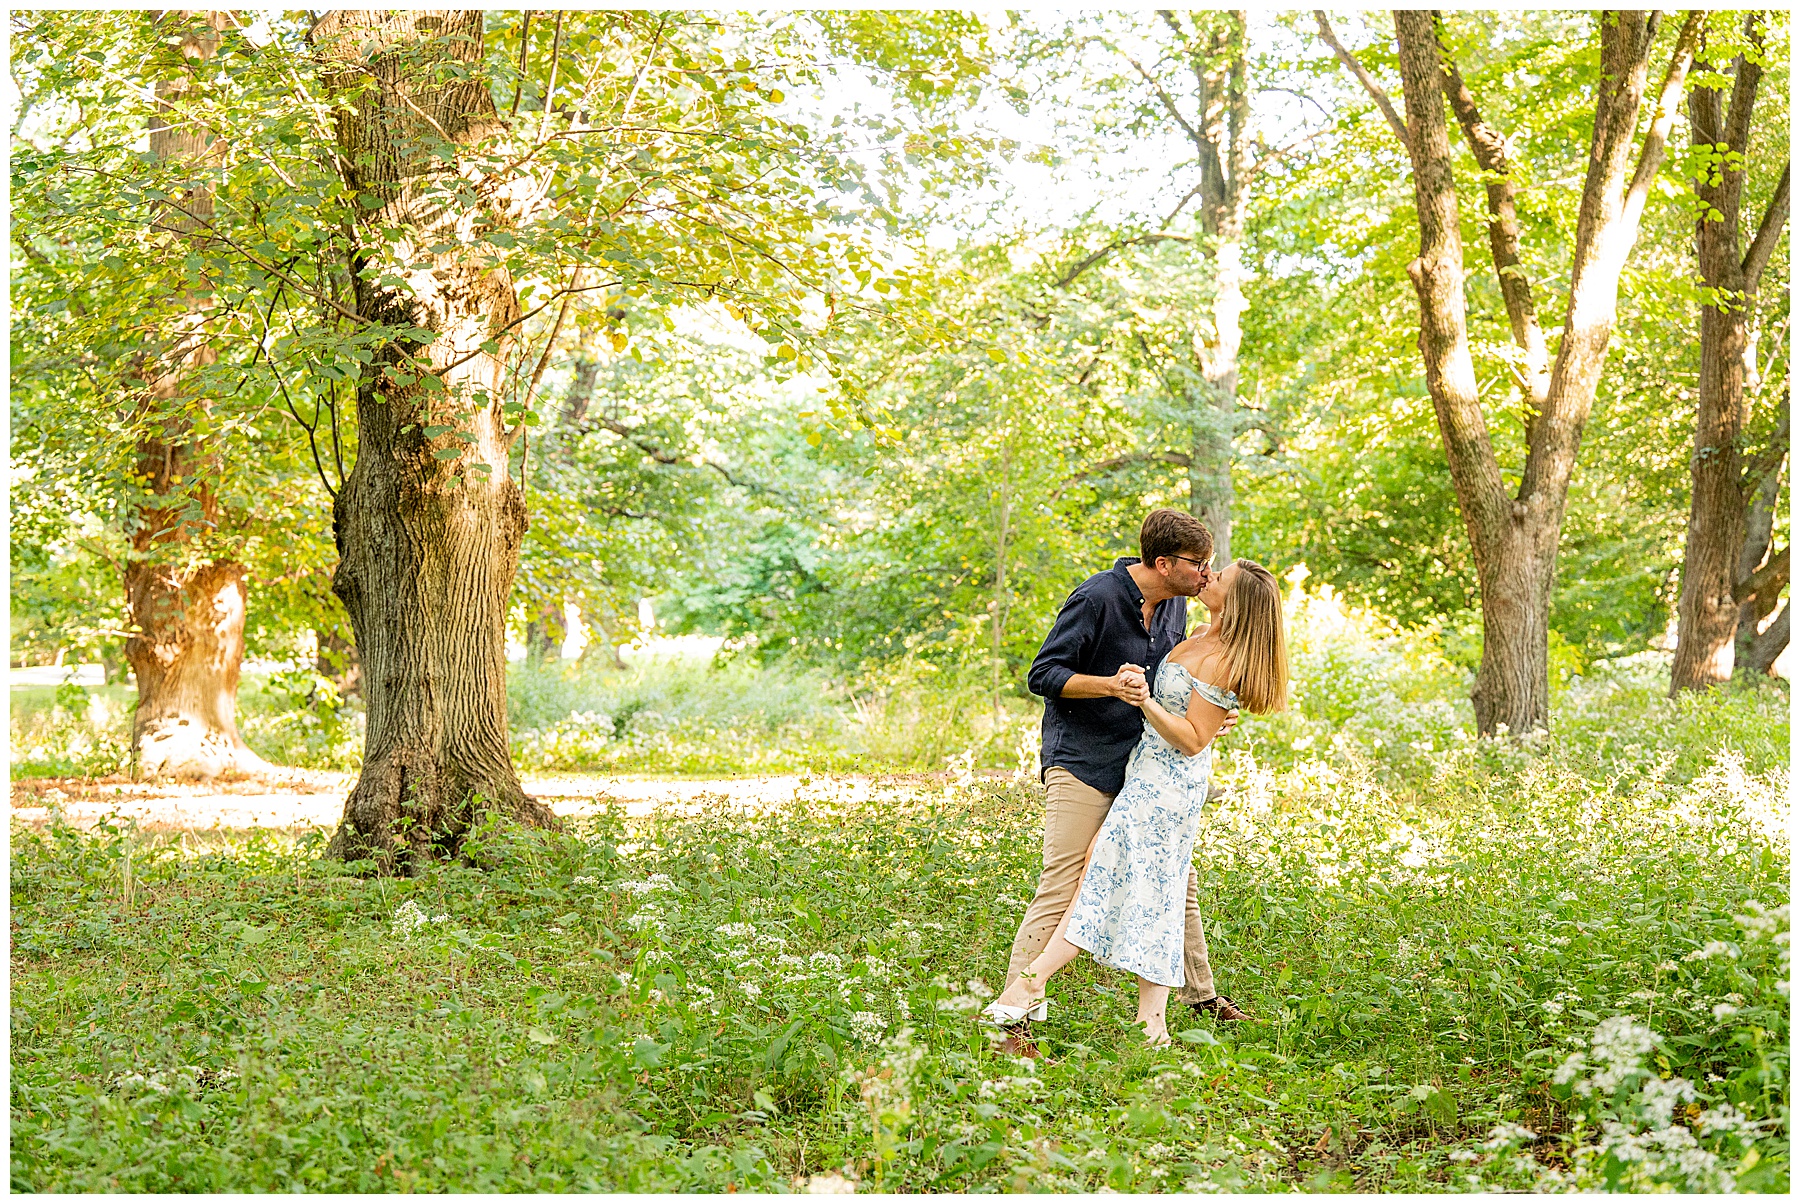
pixel 1173 533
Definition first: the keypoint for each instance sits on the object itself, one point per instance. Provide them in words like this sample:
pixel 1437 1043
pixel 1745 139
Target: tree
pixel 186 601
pixel 1515 535
pixel 1729 580
pixel 429 521
pixel 1195 85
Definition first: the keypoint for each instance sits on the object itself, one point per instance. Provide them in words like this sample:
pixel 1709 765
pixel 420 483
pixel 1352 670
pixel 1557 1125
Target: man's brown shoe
pixel 1018 1042
pixel 1220 1008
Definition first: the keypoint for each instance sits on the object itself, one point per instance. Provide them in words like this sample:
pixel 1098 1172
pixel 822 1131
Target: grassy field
pixel 1561 964
pixel 1558 963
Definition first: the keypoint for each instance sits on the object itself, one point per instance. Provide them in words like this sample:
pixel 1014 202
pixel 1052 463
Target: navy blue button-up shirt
pixel 1099 628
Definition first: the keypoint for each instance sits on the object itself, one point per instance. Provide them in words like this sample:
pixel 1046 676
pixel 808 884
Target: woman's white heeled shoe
pixel 1005 1013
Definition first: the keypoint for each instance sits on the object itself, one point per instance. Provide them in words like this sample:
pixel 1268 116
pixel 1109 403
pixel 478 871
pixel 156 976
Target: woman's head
pixel 1250 627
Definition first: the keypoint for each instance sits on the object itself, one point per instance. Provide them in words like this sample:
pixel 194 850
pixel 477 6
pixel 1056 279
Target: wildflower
pixel 979 989
pixel 830 1183
pixel 959 1003
pixel 868 1027
pixel 409 916
pixel 1710 950
pixel 1506 1135
pixel 1722 1010
pixel 769 940
pixel 1665 967
pixel 584 880
pixel 826 961
pixel 1659 1098
pixel 736 931
pixel 750 989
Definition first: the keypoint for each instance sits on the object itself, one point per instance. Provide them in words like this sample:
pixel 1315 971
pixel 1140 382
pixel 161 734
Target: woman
pixel 1128 913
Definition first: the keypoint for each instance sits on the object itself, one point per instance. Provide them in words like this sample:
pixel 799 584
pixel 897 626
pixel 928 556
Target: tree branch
pixel 1369 85
pixel 1489 146
pixel 1768 234
pixel 664 456
pixel 1657 139
pixel 1168 102
pixel 1774 573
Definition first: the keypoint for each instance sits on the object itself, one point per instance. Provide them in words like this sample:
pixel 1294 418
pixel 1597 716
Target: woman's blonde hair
pixel 1250 627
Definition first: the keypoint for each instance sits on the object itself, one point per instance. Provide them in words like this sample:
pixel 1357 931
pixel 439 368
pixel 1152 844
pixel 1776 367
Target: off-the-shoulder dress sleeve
pixel 1223 699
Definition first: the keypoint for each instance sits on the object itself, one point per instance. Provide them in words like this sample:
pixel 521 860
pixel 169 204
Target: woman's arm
pixel 1192 732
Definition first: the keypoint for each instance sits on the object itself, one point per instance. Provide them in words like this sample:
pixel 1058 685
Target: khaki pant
pixel 1073 813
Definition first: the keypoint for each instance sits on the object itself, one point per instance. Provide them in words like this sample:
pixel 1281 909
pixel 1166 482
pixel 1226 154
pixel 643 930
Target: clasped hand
pixel 1129 684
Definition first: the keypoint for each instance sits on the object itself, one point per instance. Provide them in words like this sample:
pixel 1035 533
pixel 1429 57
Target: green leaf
pixel 446 453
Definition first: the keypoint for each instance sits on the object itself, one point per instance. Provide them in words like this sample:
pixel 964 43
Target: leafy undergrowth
pixel 1502 973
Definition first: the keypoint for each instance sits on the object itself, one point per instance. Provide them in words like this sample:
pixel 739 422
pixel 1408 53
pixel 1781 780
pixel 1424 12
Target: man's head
pixel 1178 548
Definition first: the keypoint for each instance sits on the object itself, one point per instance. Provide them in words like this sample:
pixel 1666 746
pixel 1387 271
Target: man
pixel 1095 666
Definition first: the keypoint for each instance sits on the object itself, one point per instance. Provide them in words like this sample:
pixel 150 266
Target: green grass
pixel 1431 927
pixel 1428 942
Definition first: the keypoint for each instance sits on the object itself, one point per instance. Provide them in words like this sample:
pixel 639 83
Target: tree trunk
pixel 1514 538
pixel 1220 65
pixel 1512 687
pixel 428 525
pixel 1713 606
pixel 186 609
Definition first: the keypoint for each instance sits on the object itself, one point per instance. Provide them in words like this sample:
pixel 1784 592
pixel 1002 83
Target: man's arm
pixel 1066 650
pixel 1127 683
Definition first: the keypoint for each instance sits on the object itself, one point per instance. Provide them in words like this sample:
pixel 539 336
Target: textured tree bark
pixel 1514 538
pixel 428 545
pixel 1717 614
pixel 187 609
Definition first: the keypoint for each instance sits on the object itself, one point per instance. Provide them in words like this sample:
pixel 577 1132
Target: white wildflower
pixel 769 940
pixel 1660 1097
pixel 1506 1135
pixel 736 932
pixel 584 880
pixel 826 961
pixel 980 989
pixel 868 1027
pixel 750 989
pixel 1713 949
pixel 830 1183
pixel 1722 1010
pixel 409 916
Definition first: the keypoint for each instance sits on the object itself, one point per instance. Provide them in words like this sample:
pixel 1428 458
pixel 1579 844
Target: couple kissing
pixel 1131 711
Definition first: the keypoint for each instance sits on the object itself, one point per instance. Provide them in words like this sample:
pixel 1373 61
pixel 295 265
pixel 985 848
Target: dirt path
pixel 315 799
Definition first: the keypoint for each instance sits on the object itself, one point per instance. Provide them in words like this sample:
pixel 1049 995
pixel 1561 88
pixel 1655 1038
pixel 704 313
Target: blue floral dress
pixel 1129 913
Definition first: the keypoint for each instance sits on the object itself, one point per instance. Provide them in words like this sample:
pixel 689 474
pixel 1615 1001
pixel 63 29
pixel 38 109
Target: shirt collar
pixel 1122 570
